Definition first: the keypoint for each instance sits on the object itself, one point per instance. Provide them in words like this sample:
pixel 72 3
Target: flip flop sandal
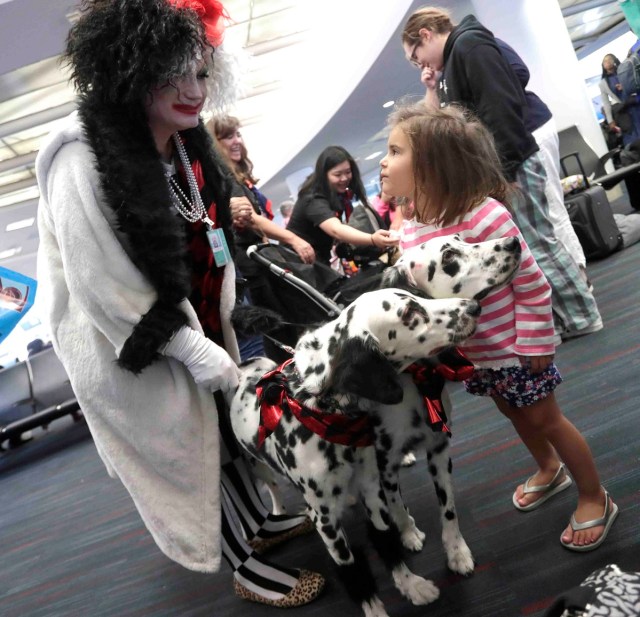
pixel 609 515
pixel 547 490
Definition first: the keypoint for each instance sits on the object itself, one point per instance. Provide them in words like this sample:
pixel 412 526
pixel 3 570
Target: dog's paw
pixel 374 608
pixel 460 559
pixel 409 459
pixel 418 590
pixel 413 539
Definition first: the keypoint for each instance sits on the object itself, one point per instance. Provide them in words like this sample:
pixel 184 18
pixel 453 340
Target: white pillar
pixel 536 30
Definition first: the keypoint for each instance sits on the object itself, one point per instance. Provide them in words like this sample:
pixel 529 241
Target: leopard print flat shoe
pixel 308 588
pixel 261 545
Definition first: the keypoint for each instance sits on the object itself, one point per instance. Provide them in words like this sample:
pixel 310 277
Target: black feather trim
pixel 153 234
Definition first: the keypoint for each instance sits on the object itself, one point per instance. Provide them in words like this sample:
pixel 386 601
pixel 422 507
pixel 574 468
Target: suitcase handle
pixel 577 157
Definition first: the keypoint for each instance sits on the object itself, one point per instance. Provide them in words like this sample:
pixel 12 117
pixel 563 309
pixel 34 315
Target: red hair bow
pixel 210 13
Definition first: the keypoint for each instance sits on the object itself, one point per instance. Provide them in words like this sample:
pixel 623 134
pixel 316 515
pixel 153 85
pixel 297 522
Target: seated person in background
pixel 324 205
pixel 286 208
pixel 256 220
pixel 252 224
pixel 386 206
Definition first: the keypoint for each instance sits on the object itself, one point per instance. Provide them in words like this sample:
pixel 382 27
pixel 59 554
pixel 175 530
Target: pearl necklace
pixel 193 210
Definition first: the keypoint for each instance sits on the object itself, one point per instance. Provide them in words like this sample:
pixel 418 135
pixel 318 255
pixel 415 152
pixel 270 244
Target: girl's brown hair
pixel 432 18
pixel 222 127
pixel 455 163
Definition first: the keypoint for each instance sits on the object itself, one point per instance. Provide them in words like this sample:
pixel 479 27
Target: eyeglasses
pixel 412 57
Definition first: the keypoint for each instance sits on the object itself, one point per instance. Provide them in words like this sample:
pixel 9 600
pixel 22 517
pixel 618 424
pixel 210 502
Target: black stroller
pixel 308 294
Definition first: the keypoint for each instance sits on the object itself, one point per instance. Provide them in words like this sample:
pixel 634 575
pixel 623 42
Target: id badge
pixel 219 246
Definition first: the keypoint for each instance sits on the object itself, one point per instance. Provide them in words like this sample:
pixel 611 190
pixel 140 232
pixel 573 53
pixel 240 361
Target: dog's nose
pixel 512 245
pixel 473 308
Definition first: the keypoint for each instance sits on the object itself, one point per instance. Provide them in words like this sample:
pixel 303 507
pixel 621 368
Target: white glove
pixel 210 365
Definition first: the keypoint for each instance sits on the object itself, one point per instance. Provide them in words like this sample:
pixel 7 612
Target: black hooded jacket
pixel 477 76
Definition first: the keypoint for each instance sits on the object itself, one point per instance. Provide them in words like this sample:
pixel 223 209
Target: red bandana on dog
pixel 453 366
pixel 273 395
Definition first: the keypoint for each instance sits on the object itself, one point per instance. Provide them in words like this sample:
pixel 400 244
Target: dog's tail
pixel 251 320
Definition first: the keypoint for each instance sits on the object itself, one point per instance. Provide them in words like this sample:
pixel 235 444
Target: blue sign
pixel 17 293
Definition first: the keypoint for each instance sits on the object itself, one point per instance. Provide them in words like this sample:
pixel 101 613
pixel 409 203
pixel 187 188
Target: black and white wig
pixel 119 50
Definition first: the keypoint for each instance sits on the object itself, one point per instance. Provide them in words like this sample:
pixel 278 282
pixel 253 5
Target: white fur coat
pixel 157 431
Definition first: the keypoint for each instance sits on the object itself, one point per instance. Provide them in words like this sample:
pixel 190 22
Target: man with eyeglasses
pixel 463 64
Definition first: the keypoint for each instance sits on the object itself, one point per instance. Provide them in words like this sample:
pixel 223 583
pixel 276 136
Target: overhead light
pixel 388 104
pixel 373 155
pixel 21 224
pixel 16 250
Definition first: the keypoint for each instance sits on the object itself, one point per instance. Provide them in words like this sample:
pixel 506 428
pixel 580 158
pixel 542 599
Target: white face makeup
pixel 176 105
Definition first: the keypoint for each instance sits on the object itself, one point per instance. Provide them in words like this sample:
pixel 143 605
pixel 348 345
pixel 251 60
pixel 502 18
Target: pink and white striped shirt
pixel 516 319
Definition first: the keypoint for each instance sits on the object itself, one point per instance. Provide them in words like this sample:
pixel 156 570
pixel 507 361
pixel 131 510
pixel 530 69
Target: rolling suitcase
pixel 592 219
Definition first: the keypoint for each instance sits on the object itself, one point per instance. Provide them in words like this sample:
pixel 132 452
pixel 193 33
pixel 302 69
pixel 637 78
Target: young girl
pixel 447 163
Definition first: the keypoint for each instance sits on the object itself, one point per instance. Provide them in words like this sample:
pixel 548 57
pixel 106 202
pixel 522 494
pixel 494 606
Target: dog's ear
pixel 360 368
pixel 398 276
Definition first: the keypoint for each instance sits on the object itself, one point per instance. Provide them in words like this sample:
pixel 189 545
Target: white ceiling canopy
pixel 306 58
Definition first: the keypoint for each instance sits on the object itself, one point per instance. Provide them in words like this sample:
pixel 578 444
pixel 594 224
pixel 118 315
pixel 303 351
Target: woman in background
pixel 325 204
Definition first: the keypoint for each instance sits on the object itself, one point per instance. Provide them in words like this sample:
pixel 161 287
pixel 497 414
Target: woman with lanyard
pixel 135 261
pixel 325 203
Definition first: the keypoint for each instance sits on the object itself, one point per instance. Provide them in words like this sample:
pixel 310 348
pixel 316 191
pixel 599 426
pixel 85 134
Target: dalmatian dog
pixel 443 267
pixel 448 267
pixel 350 371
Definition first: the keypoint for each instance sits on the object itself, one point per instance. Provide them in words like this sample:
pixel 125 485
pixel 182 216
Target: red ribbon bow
pixel 453 366
pixel 210 13
pixel 336 428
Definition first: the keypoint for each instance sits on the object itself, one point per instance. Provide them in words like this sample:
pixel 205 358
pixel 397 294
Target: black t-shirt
pixel 309 212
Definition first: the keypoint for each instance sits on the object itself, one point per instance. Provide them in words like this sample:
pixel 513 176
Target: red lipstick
pixel 188 109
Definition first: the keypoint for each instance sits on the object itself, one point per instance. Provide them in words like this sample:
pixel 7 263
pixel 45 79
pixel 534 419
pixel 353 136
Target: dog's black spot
pixel 342 549
pixel 386 306
pixel 450 515
pixel 450 466
pixel 422 338
pixel 487 263
pixel 441 447
pixel 292 440
pixel 452 268
pixel 324 520
pixel 433 470
pixel 432 270
pixel 457 287
pixel 392 334
pixel 330 532
pixel 336 491
pixel 442 495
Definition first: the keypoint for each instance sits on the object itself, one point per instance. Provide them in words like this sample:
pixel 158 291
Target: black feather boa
pixel 134 187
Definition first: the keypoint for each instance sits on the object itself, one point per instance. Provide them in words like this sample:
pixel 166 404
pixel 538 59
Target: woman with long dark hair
pixel 325 203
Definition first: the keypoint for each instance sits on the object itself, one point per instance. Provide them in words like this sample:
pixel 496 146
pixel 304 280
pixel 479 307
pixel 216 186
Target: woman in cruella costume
pixel 135 261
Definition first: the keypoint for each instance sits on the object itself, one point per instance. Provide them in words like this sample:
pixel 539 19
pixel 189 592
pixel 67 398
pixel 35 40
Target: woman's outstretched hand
pixel 384 239
pixel 304 250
